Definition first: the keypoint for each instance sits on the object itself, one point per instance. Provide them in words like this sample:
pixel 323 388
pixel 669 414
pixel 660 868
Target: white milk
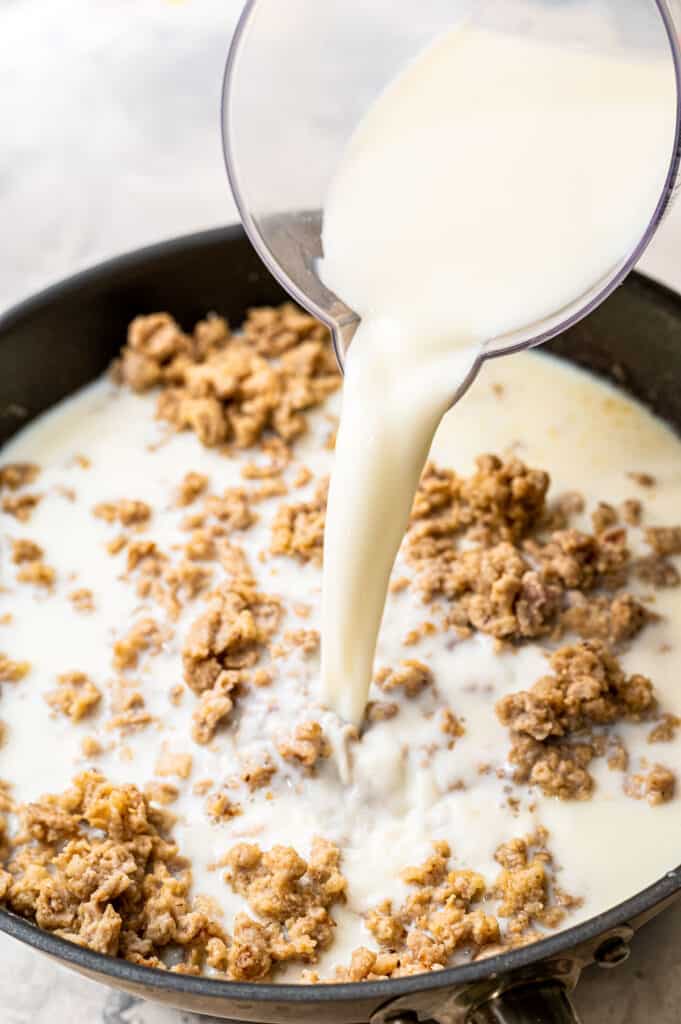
pixel 494 182
pixel 406 788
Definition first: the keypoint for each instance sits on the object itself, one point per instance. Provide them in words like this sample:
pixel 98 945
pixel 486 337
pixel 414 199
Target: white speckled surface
pixel 110 140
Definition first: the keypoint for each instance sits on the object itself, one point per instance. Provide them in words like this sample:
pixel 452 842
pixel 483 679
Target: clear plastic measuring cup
pixel 301 74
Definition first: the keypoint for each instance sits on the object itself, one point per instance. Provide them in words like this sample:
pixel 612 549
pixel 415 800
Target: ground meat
pixel 91 747
pixel 201 546
pixel 145 635
pixel 156 351
pixel 95 866
pixel 496 591
pixel 166 582
pixel 665 730
pixel 411 677
pixel 604 517
pixel 642 479
pixel 504 498
pixel 230 634
pixel 381 710
pixel 191 487
pixel 632 511
pixel 24 550
pixel 75 696
pixel 523 885
pixel 273 330
pixel 500 501
pixel 161 792
pixel 307 746
pixel 588 689
pixel 14 475
pixel 232 508
pixel 658 571
pixel 126 512
pixel 614 620
pixel 278 457
pixel 38 573
pixel 657 785
pixel 304 640
pixel 450 725
pixel 298 530
pixel 12 671
pixel 558 769
pixel 233 388
pixel 219 807
pixel 560 511
pixel 130 710
pixel 20 506
pixel 82 599
pixel 664 540
pixel 291 896
pixel 443 914
pixel 214 706
pixel 580 561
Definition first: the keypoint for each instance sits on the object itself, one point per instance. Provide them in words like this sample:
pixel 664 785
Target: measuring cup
pixel 300 75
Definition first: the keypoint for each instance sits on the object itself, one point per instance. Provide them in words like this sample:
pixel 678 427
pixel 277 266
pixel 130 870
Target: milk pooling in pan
pixel 494 182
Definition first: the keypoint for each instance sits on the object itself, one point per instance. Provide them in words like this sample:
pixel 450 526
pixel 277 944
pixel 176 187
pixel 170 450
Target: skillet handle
pixel 543 1002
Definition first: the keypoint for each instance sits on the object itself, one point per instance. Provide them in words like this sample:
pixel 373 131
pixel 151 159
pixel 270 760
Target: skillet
pixel 57 341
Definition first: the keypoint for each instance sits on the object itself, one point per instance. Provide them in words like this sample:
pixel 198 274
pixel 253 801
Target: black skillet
pixel 59 340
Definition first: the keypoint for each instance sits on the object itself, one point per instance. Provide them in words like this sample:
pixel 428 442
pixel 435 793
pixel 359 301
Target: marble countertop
pixel 110 140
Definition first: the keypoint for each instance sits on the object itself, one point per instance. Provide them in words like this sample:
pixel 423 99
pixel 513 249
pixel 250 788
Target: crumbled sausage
pixel 191 487
pixel 145 635
pixel 588 688
pixel 106 875
pixel 257 774
pixel 38 573
pixel 12 671
pixel 615 620
pixel 307 747
pixel 233 388
pixel 214 706
pixel 664 540
pixel 298 530
pixel 657 785
pixel 665 730
pixel 230 634
pixel 82 599
pixel 658 571
pixel 20 506
pixel 126 512
pixel 75 695
pixel 24 550
pixel 291 896
pixel 14 475
pixel 412 677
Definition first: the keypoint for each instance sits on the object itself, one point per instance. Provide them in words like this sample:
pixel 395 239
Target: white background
pixel 109 139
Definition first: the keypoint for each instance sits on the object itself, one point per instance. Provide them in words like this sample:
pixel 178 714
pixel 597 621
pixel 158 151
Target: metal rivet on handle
pixel 612 953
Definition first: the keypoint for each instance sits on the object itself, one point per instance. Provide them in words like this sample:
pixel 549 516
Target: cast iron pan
pixel 62 338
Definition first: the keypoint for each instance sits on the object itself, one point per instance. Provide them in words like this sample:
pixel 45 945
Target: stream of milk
pixel 495 181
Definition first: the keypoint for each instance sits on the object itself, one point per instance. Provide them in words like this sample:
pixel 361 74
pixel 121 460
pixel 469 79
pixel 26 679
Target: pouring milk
pixel 494 182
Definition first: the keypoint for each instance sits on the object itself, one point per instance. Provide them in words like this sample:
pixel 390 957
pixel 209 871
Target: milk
pixel 496 181
pixel 397 801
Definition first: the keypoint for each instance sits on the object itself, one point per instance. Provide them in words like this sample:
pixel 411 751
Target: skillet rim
pixel 100 964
